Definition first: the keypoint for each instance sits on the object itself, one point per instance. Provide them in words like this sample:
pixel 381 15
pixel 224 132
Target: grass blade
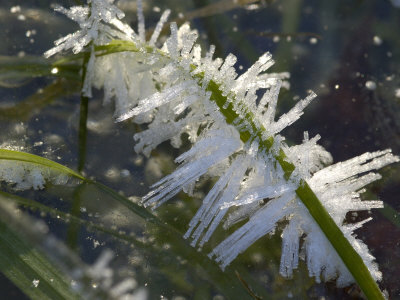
pixel 29 269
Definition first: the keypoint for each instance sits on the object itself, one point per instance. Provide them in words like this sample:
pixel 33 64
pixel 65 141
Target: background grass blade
pixel 16 69
pixel 24 110
pixel 29 269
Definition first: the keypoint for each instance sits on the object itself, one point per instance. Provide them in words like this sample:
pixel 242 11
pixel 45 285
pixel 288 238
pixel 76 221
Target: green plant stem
pixel 84 110
pixel 347 253
pixel 74 226
pixel 82 134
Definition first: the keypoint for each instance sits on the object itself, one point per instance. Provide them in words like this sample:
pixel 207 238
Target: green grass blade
pixel 16 69
pixel 391 214
pixel 31 105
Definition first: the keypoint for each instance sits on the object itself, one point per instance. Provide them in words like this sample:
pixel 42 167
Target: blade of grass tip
pixel 347 253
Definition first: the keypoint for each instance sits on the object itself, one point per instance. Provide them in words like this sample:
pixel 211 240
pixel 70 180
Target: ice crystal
pixel 168 87
pixel 27 175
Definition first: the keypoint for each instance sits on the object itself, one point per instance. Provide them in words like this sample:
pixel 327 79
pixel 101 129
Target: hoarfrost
pixel 24 175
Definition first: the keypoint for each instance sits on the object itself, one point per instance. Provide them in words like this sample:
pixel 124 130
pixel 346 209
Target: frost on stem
pixel 24 175
pixel 94 21
pixel 338 187
pixel 229 119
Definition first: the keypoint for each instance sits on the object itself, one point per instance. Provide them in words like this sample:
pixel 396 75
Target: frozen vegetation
pixel 23 175
pixel 170 87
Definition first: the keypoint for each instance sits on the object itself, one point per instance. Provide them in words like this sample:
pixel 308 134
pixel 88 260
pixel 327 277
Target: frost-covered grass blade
pixel 175 89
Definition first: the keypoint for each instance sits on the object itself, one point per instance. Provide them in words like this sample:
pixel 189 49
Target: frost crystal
pixel 173 89
pixel 27 175
pixel 94 22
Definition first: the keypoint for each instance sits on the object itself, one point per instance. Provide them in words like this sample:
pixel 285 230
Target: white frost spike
pixel 122 288
pixel 308 157
pixel 159 26
pixel 90 22
pixel 206 153
pixel 101 265
pixel 293 115
pixel 360 164
pixel 257 194
pixel 104 276
pixel 270 98
pixel 188 41
pixel 290 248
pixel 186 102
pixel 226 188
pixel 196 52
pixel 262 64
pixel 141 27
pixel 261 223
pixel 157 100
pixel 172 42
pixel 75 13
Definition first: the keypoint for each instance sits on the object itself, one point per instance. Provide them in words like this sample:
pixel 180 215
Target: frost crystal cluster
pixel 231 121
pixel 24 175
